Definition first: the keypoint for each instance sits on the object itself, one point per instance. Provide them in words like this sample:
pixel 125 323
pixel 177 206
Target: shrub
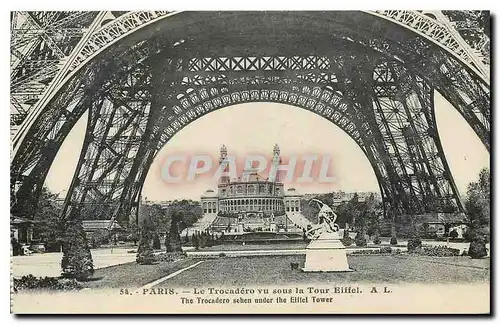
pixel 414 244
pixel 16 247
pixel 360 240
pixel 394 241
pixel 383 250
pixel 196 242
pixel 98 238
pixel 76 261
pixel 439 251
pixel 468 235
pixel 346 239
pixel 156 242
pixel 377 240
pixel 32 282
pixel 170 256
pixel 432 233
pixel 366 252
pixel 477 248
pixel 386 249
pixel 454 234
pixel 144 251
pixel 175 244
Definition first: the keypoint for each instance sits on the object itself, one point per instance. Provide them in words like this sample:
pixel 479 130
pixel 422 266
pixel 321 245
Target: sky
pixel 254 128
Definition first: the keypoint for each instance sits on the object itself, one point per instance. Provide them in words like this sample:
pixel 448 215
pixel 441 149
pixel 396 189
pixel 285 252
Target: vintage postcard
pixel 261 162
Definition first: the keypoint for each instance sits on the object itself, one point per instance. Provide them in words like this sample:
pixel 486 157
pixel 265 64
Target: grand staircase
pixel 298 219
pixel 202 224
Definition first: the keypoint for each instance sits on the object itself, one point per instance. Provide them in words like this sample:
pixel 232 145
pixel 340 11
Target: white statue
pixel 325 252
pixel 326 221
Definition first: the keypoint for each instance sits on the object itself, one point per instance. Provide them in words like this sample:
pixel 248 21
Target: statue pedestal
pixel 326 254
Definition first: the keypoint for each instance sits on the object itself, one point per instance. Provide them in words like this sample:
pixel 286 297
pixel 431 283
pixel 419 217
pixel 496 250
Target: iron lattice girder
pixel 40 43
pixel 110 148
pixel 406 120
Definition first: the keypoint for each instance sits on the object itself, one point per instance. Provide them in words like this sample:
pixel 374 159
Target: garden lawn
pixel 276 270
pixel 133 275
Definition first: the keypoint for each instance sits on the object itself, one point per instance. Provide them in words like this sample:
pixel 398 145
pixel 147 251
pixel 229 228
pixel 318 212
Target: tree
pixel 191 211
pixel 16 246
pixel 99 237
pixel 477 247
pixel 156 241
pixel 477 203
pixel 346 239
pixel 133 232
pixel 77 260
pixel 477 207
pixel 47 226
pixel 414 244
pixel 374 212
pixel 145 253
pixel 196 242
pixel 175 244
pixel 360 239
pixel 157 217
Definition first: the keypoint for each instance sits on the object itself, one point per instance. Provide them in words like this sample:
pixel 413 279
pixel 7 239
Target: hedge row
pixel 50 283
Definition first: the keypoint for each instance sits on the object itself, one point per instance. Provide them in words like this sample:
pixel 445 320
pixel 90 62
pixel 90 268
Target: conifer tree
pixel 145 251
pixel 77 260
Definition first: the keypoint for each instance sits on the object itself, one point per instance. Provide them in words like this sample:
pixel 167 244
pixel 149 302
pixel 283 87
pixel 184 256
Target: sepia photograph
pixel 250 162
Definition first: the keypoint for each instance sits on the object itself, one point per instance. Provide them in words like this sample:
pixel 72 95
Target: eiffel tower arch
pixel 144 76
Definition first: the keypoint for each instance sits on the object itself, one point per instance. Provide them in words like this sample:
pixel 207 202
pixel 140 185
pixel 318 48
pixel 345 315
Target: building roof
pixel 292 192
pixel 443 218
pixel 210 193
pixel 250 176
pixel 17 220
pixel 89 225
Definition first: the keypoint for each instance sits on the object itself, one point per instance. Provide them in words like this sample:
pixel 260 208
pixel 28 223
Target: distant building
pixel 21 229
pixel 250 202
pixel 442 224
pixel 340 197
pixel 92 226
